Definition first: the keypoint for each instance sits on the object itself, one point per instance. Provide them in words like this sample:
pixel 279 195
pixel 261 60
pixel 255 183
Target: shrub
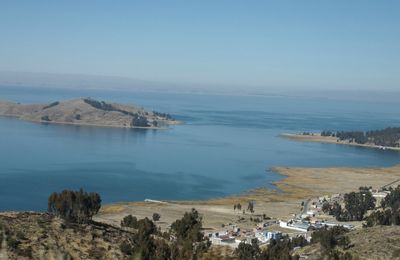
pixel 13 243
pixel 156 217
pixel 126 248
pixel 129 221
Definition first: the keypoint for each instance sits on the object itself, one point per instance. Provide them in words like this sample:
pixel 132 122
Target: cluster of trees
pixel 250 207
pixel 142 244
pixel 45 118
pixel 353 136
pixel 237 206
pixel 390 213
pixel 389 137
pixel 148 243
pixel 386 217
pixel 184 241
pixel 99 104
pixel 164 115
pixel 139 120
pixel 277 249
pixel 358 203
pixel 327 133
pixel 330 239
pixel 51 105
pixel 74 206
pixel 356 206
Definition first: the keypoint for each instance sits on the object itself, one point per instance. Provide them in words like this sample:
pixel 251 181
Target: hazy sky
pixel 266 44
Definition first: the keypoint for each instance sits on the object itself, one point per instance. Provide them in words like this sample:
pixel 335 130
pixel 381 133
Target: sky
pixel 299 44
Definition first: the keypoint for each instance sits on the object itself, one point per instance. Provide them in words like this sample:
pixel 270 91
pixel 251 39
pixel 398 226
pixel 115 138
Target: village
pixel 302 224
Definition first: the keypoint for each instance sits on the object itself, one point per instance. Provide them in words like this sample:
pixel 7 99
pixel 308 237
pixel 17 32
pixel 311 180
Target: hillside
pixel 87 111
pixel 30 235
pixel 379 242
pixel 42 236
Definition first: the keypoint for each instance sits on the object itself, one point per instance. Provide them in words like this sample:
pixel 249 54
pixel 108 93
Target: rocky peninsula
pixel 87 112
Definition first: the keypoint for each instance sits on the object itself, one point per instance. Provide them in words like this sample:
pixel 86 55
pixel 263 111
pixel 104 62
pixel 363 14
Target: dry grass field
pixel 299 185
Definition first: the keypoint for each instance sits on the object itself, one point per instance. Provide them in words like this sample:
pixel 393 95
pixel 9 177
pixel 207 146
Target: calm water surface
pixel 226 146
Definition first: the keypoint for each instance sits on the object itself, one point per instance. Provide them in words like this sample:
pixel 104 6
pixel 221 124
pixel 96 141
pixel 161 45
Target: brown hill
pixel 42 236
pixel 379 242
pixel 87 111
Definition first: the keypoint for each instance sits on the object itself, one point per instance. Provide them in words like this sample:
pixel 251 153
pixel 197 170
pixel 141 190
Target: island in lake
pixel 388 138
pixel 89 112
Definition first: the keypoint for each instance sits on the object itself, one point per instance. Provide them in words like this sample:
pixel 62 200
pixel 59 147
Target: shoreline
pixel 332 140
pixel 88 124
pixel 288 187
pixel 299 185
pixel 88 112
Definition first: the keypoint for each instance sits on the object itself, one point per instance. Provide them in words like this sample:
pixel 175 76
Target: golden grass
pixel 300 184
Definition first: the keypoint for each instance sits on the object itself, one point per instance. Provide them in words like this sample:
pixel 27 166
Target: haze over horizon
pixel 208 45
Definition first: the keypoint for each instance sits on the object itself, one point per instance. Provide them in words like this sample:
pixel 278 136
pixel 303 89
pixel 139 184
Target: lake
pixel 226 145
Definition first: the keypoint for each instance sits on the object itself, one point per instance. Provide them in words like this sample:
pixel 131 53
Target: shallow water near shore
pixel 225 146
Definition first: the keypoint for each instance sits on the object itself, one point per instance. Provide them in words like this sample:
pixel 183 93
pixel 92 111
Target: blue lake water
pixel 225 146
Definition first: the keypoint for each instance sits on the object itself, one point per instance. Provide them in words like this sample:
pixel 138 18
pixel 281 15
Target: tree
pixel 189 238
pixel 189 227
pixel 156 217
pixel 146 227
pixel 326 207
pixel 74 206
pixel 250 207
pixel 248 251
